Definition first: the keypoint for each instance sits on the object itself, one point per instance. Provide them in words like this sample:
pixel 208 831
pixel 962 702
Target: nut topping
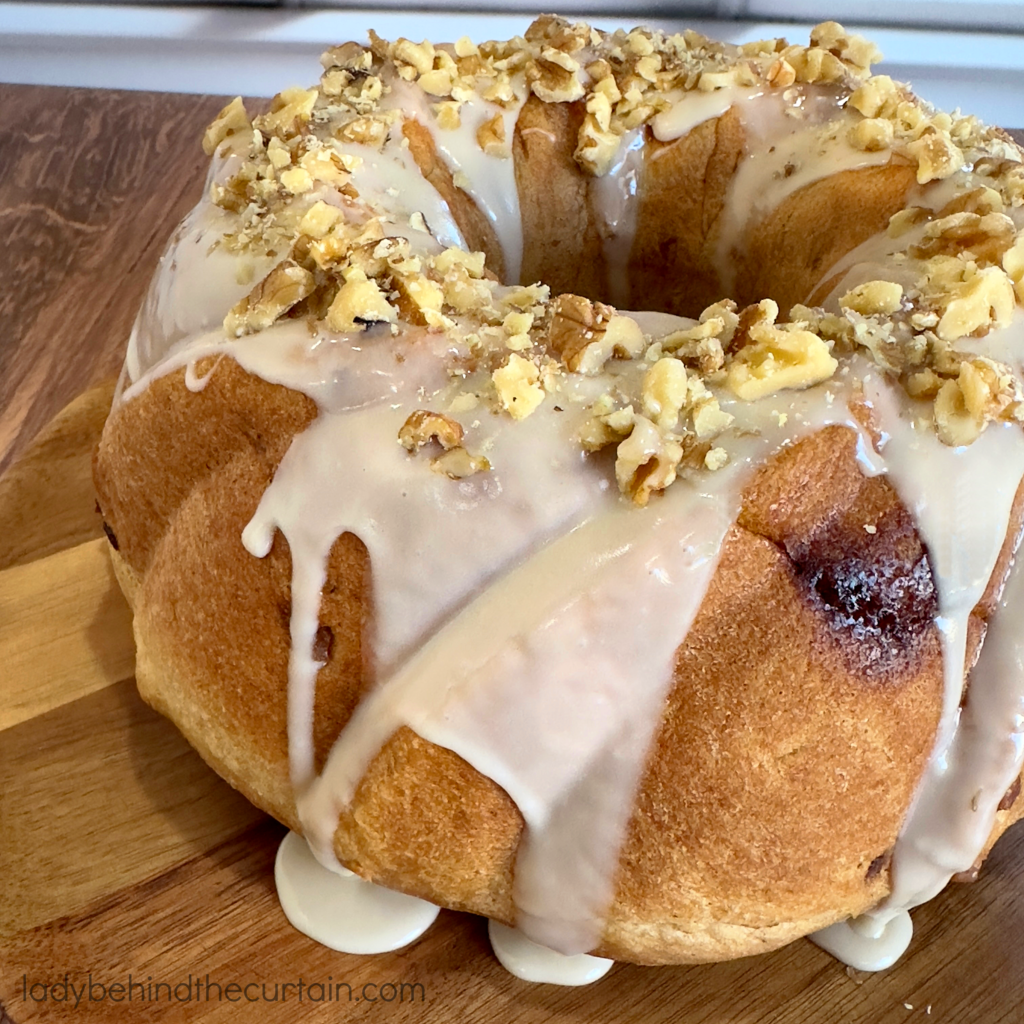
pixel 424 426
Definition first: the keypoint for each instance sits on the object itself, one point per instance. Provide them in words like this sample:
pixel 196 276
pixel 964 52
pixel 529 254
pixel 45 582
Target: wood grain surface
pixel 123 859
pixel 91 183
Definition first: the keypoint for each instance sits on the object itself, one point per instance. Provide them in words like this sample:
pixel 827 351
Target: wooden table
pixel 91 184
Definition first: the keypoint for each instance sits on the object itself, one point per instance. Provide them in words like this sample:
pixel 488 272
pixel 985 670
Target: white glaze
pixel 872 950
pixel 390 181
pixel 340 910
pixel 194 287
pixel 783 155
pixel 547 645
pixel 693 108
pixel 614 197
pixel 532 962
pixel 489 179
pixel 961 498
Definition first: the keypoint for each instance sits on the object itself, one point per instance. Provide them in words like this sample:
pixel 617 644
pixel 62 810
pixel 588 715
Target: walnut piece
pixel 289 112
pixel 716 459
pixel 517 386
pixel 776 357
pixel 319 219
pixel 646 461
pixel 877 97
pixel 585 334
pixel 423 426
pixel 664 392
pixel 457 464
pixel 984 390
pixel 490 137
pixel 937 156
pixel 1013 264
pixel 983 298
pixel 873 297
pixel 285 286
pixel 872 135
pixel 359 301
pixel 231 121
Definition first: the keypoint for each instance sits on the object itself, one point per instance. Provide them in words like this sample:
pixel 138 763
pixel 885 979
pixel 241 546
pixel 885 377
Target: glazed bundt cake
pixel 658 634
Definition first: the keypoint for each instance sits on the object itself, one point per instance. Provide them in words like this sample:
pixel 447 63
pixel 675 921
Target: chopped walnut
pixel 289 111
pixel 552 82
pixel 558 33
pixel 703 343
pixel 1013 264
pixel 419 57
pixel 937 157
pixel 646 461
pixel 296 180
pixel 421 300
pixel 811 64
pixel 359 302
pixel 517 328
pixel 285 286
pixel 781 74
pixel 954 422
pixel 319 219
pixel 872 135
pixel 903 221
pixel 473 262
pixel 585 334
pixel 605 425
pixel 709 419
pixel 716 459
pixel 279 153
pixel 448 115
pixel 232 121
pixel 874 297
pixel 423 426
pixel 923 384
pixel 986 237
pixel 598 144
pixel 457 464
pixel 980 200
pixel 855 51
pixel 775 358
pixel 988 387
pixel 490 136
pixel 664 392
pixel 517 386
pixel 365 131
pixel 877 97
pixel 436 83
pixel 973 300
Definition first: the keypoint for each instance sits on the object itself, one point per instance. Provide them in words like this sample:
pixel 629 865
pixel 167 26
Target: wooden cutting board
pixel 124 861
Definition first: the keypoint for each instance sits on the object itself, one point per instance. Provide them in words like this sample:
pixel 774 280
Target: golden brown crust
pixel 562 246
pixel 475 228
pixel 683 193
pixel 796 244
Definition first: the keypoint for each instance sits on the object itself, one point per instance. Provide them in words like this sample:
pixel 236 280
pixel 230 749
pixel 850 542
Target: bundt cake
pixel 571 480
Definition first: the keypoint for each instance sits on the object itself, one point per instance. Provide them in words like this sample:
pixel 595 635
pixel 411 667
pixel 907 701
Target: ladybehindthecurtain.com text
pixel 77 990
